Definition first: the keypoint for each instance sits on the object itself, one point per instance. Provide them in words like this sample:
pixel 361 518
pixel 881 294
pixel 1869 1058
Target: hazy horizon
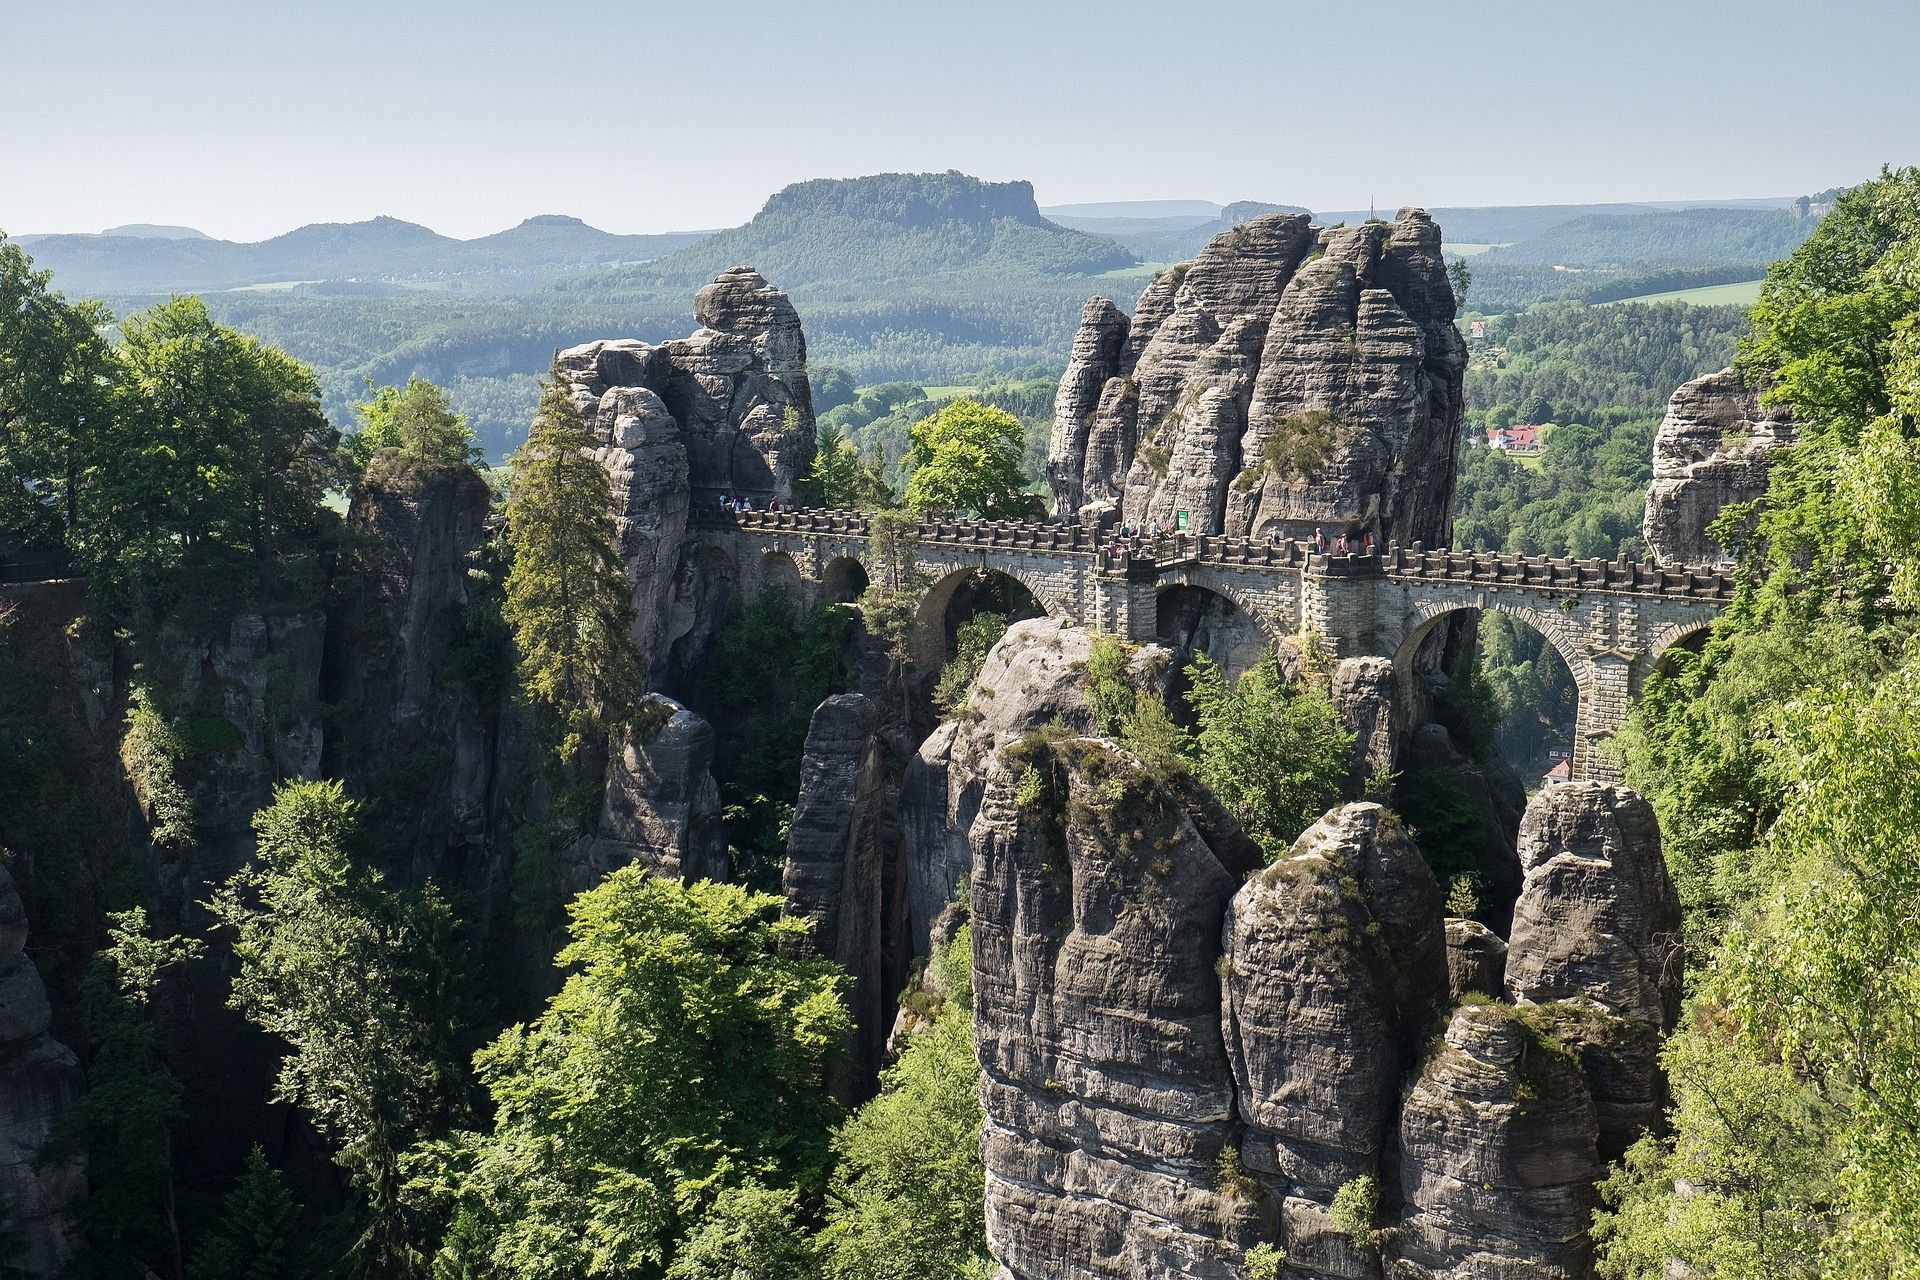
pixel 244 123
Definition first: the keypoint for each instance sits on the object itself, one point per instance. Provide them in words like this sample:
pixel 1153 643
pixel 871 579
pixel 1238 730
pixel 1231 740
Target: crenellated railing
pixel 1711 583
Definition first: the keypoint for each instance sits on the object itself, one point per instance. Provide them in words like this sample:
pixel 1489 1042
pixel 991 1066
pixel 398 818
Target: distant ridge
pixel 139 260
pixel 888 226
pixel 155 231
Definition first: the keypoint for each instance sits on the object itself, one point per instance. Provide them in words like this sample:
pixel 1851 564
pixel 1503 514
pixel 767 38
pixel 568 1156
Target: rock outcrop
pixel 725 411
pixel 39 1079
pixel 1476 960
pixel 1597 929
pixel 408 709
pixel 1035 676
pixel 1498 1162
pixel 1287 377
pixel 1335 966
pixel 845 873
pixel 661 808
pixel 1363 693
pixel 1108 1098
pixel 1713 449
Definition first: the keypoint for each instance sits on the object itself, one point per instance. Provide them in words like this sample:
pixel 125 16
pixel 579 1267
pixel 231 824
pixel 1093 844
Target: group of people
pixel 731 503
pixel 1360 543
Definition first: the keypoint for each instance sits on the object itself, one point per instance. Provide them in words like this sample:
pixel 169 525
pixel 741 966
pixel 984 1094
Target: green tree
pixel 257 1237
pixel 908 1197
pixel 686 1053
pixel 567 598
pixel 840 479
pixel 55 397
pixel 220 446
pixel 416 421
pixel 125 1120
pixel 1273 750
pixel 1797 1120
pixel 356 979
pixel 967 457
pixel 752 1232
pixel 972 642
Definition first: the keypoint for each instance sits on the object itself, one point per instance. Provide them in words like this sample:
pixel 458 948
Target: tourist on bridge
pixel 1320 540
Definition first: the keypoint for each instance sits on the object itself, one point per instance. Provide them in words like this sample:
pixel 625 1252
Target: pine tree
pixel 255 1239
pixel 568 602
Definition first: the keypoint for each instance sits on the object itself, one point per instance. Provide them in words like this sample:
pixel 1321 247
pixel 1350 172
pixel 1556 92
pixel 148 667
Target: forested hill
pixel 127 261
pixel 888 226
pixel 1704 236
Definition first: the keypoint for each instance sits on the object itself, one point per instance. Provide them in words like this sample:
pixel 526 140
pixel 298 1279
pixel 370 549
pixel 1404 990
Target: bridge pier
pixel 1126 601
pixel 1605 697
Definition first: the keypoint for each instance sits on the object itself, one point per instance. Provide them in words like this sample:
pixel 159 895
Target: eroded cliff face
pixel 39 1080
pixel 1713 449
pixel 1108 1098
pixel 846 869
pixel 727 411
pixel 1287 378
pixel 1187 1055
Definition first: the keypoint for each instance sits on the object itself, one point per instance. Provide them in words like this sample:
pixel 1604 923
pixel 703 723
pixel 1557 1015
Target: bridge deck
pixel 1617 577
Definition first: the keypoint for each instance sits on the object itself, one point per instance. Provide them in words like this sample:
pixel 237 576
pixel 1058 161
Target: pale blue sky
pixel 247 118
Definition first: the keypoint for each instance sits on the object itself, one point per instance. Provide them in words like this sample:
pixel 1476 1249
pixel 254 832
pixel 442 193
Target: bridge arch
pixel 1556 629
pixel 1195 611
pixel 781 572
pixel 929 641
pixel 843 579
pixel 1674 635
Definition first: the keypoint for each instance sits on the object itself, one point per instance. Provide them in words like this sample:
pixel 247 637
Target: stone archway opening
pixel 966 596
pixel 1496 725
pixel 843 581
pixel 1197 619
pixel 780 572
pixel 1681 651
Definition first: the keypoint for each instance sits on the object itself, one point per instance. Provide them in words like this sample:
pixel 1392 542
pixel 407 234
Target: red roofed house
pixel 1521 437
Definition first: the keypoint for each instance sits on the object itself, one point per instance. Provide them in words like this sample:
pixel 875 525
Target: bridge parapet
pixel 1621 576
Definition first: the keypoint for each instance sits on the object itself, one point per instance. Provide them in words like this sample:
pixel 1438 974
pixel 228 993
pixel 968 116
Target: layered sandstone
pixel 39 1080
pixel 1713 450
pixel 1597 928
pixel 1286 378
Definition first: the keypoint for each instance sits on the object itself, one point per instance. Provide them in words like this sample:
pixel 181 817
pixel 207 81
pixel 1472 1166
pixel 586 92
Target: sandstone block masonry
pixel 1609 620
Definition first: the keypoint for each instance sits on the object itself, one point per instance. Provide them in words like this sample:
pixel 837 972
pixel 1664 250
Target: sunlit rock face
pixel 1287 378
pixel 1597 928
pixel 1713 449
pixel 725 411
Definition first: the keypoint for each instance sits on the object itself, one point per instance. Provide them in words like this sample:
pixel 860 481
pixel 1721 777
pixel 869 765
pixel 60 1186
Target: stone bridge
pixel 1610 621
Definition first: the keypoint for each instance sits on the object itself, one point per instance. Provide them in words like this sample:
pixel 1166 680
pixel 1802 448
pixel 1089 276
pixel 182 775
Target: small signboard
pixel 1180 521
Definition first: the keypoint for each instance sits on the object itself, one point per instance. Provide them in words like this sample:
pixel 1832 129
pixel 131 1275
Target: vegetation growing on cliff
pixel 356 979
pixel 1784 773
pixel 908 1198
pixel 567 599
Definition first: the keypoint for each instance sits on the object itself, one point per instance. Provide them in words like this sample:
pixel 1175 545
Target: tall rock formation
pixel 1713 449
pixel 1498 1162
pixel 39 1079
pixel 846 874
pixel 1597 929
pixel 725 411
pixel 1287 377
pixel 1035 676
pixel 391 653
pixel 1109 1102
pixel 661 807
pixel 1335 967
